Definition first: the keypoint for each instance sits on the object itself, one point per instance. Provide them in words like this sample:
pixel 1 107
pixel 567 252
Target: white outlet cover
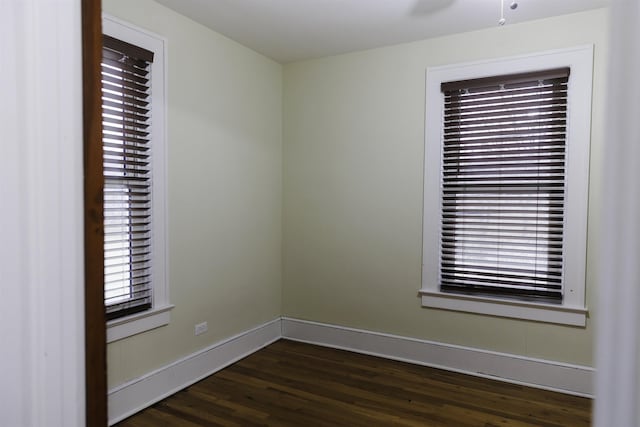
pixel 201 328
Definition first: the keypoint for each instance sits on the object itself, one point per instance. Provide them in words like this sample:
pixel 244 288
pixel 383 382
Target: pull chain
pixel 512 6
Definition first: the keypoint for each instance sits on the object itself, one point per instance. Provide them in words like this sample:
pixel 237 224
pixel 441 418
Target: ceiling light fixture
pixel 512 6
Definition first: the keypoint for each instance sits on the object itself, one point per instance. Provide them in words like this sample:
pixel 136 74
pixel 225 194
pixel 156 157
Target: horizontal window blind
pixel 503 186
pixel 127 177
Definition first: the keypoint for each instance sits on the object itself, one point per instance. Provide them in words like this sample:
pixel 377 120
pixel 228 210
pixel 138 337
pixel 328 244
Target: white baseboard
pixel 545 374
pixel 131 397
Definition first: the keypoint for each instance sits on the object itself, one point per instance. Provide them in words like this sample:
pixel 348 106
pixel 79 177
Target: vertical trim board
pixel 41 260
pixel 94 312
pixel 617 331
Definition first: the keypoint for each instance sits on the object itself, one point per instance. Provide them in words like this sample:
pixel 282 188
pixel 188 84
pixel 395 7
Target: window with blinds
pixel 127 177
pixel 503 186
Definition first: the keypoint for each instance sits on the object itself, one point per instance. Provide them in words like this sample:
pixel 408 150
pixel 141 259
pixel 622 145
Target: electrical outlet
pixel 201 328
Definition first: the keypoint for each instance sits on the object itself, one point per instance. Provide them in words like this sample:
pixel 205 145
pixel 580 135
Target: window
pixel 136 296
pixel 126 93
pixel 506 167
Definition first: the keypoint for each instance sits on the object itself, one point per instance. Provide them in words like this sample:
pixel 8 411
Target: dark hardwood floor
pixel 295 384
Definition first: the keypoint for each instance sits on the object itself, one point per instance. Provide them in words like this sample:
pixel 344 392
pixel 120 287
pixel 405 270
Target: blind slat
pixel 515 108
pixel 114 102
pixel 492 113
pixel 522 92
pixel 124 80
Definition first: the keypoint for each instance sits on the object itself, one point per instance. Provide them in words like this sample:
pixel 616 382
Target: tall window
pixel 503 185
pixel 126 145
pixel 506 177
pixel 134 161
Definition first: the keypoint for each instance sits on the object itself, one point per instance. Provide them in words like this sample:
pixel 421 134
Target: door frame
pixel 95 321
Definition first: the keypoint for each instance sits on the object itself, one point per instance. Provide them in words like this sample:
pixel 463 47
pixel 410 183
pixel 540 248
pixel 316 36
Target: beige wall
pixel 352 212
pixel 344 178
pixel 225 190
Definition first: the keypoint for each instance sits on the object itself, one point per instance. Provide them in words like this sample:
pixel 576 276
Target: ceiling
pixel 291 30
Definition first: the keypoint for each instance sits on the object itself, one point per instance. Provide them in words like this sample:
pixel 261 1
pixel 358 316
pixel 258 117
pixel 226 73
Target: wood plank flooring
pixel 294 384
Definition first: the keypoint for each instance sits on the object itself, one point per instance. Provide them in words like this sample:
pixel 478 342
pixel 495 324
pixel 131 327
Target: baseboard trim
pixel 539 373
pixel 133 396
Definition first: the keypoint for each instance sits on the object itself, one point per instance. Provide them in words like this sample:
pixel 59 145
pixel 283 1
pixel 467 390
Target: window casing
pixel 506 164
pixel 134 147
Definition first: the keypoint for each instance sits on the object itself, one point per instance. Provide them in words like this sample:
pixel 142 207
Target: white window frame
pixel 159 314
pixel 573 310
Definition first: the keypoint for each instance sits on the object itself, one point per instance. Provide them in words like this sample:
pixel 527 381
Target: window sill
pixel 549 313
pixel 124 327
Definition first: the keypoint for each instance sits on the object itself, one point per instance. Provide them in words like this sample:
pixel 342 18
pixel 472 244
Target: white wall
pixel 353 158
pixel 225 190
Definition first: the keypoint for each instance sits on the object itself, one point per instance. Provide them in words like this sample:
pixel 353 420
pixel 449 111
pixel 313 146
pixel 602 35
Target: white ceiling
pixel 290 30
